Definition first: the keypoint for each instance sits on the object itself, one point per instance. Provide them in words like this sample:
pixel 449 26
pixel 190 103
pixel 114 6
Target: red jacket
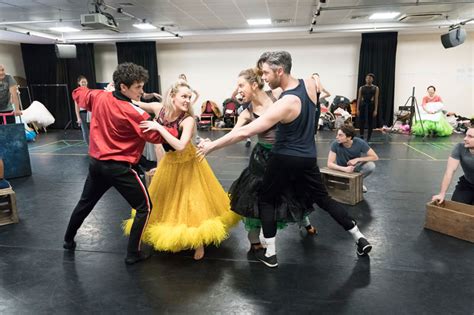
pixel 114 129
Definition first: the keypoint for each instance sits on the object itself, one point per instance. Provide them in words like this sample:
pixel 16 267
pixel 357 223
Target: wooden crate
pixel 451 218
pixel 8 210
pixel 343 187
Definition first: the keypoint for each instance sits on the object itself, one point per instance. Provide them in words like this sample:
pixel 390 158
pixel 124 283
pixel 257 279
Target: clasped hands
pixel 204 147
pixel 351 165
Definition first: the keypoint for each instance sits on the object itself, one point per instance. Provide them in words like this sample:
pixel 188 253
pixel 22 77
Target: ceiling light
pixel 64 29
pixel 259 21
pixel 384 15
pixel 145 26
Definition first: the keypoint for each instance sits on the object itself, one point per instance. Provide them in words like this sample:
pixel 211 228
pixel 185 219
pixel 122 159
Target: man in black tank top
pixel 292 167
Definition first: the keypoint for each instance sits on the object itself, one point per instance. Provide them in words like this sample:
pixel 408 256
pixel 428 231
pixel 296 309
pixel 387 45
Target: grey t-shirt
pixel 5 84
pixel 343 155
pixel 466 158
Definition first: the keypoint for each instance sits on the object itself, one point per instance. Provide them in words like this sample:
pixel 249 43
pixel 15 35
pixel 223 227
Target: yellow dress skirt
pixel 190 207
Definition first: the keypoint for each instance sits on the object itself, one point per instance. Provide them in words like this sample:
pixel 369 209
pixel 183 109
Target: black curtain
pixel 42 67
pixel 143 54
pixel 377 55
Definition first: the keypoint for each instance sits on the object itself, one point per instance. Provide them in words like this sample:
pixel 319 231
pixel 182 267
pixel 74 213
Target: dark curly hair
pixel 348 130
pixel 128 73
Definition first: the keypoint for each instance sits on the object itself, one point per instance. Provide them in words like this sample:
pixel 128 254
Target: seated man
pixel 3 182
pixel 349 154
pixel 463 153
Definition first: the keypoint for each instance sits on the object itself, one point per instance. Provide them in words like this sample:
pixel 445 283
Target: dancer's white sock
pixel 271 250
pixel 305 222
pixel 262 239
pixel 254 236
pixel 356 234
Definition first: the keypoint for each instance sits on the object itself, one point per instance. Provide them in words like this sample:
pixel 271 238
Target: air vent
pixel 359 17
pixel 420 17
pixel 125 4
pixel 282 21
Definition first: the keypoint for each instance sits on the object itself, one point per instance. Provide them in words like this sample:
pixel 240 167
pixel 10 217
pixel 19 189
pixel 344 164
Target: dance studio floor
pixel 410 270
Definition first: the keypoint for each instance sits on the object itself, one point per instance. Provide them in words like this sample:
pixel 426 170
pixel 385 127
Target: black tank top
pixel 368 93
pixel 296 138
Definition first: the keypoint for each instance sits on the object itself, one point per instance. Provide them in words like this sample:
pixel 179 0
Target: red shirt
pixel 114 130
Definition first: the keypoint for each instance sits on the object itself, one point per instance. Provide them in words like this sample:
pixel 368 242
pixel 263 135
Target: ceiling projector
pixel 99 21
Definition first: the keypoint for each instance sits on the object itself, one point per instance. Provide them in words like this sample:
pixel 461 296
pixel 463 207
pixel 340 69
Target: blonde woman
pixel 192 210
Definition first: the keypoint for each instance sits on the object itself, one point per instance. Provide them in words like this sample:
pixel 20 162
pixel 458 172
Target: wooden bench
pixel 343 187
pixel 8 210
pixel 451 218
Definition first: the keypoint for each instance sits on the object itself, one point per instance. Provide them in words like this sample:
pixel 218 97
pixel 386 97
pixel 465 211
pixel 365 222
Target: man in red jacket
pixel 116 144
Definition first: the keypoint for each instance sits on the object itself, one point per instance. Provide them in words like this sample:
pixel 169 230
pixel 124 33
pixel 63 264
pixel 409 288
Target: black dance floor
pixel 410 270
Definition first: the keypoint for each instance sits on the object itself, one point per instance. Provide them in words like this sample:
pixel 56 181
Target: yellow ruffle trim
pixel 175 238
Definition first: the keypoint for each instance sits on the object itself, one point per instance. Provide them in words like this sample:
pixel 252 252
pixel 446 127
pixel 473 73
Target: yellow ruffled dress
pixel 190 207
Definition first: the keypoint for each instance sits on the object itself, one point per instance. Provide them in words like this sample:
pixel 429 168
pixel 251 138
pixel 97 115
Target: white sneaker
pixel 364 189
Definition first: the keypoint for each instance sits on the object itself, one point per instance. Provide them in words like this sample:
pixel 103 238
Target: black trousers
pixel 121 175
pixel 317 114
pixel 464 191
pixel 305 178
pixel 366 114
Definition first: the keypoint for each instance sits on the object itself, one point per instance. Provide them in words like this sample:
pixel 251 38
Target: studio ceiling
pixel 211 20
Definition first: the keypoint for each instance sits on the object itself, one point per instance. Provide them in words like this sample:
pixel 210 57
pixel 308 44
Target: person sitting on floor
pixel 351 154
pixel 432 121
pixel 463 153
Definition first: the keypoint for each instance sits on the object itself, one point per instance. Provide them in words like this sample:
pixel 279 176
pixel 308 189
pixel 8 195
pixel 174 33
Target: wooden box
pixel 451 218
pixel 8 211
pixel 343 187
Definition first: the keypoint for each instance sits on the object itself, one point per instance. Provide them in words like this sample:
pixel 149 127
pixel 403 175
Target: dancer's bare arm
pixel 152 108
pixel 451 168
pixel 284 110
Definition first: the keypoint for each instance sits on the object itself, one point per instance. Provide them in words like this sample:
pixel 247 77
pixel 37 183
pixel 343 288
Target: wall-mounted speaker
pixel 65 51
pixel 453 38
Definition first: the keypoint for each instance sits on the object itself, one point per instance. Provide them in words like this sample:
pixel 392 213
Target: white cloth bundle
pixel 432 107
pixel 38 114
pixel 345 114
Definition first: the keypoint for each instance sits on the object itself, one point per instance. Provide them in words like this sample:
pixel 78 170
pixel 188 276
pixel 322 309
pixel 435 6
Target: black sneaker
pixel 363 247
pixel 69 245
pixel 133 259
pixel 255 246
pixel 269 261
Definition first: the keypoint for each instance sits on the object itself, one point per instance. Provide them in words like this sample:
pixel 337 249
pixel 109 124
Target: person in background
pixel 432 121
pixel 322 94
pixel 367 105
pixel 9 101
pixel 350 154
pixel 81 112
pixel 462 154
